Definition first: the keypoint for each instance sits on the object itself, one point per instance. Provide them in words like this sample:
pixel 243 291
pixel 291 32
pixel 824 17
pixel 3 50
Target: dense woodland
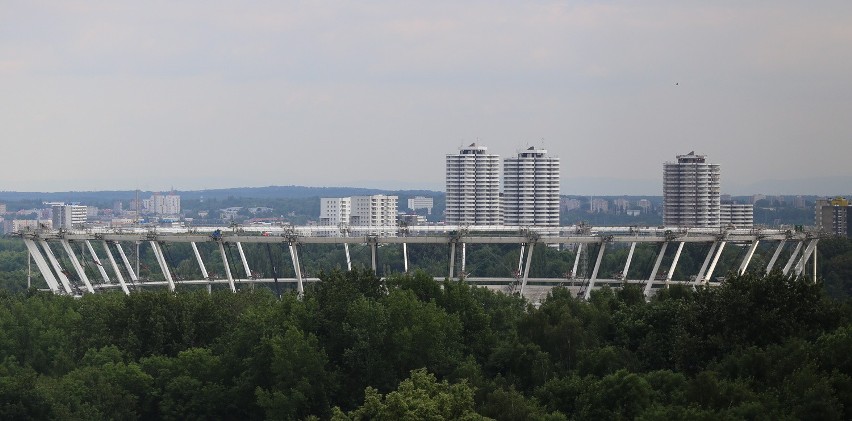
pixel 359 347
pixel 356 347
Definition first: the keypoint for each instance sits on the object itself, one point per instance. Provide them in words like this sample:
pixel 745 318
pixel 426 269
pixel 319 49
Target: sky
pixel 155 95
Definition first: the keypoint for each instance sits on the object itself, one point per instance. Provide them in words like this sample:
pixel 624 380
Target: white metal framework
pixel 59 279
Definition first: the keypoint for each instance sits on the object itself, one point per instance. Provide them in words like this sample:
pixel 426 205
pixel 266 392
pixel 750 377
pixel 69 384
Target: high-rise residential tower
pixel 832 216
pixel 531 189
pixel 691 192
pixel 473 187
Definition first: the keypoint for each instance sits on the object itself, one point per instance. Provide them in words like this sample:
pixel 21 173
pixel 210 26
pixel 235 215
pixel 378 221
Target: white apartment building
pixel 691 192
pixel 738 215
pixel 531 189
pixel 473 187
pixel 421 202
pixel 376 211
pixel 335 210
pixel 164 204
pixel 68 216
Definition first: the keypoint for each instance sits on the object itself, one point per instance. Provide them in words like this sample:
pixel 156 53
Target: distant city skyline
pixel 200 95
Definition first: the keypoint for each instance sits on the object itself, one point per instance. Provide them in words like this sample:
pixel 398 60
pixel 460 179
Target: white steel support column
pixel 674 264
pixel 527 267
pixel 748 256
pixel 521 259
pixel 348 259
pixel 700 276
pixel 463 259
pixel 373 252
pixel 116 269
pixel 815 265
pixel 713 265
pixel 77 266
pixel 133 276
pixel 405 255
pixel 792 258
pixel 200 262
pixel 164 266
pixel 42 265
pixel 627 263
pixel 201 266
pixel 452 259
pixel 775 256
pixel 55 263
pixel 595 271
pixel 98 263
pixel 576 260
pixel 243 258
pixel 800 267
pixel 228 266
pixel 656 269
pixel 297 267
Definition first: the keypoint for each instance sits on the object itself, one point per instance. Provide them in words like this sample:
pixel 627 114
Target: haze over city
pixel 195 95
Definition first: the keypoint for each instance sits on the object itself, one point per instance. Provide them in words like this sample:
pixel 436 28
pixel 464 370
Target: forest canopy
pixel 357 346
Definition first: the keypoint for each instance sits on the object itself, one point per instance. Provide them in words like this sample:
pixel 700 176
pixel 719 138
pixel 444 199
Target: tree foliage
pixel 357 346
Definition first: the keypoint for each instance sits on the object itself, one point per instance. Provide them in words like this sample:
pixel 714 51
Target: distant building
pixel 570 204
pixel 335 211
pixel 412 219
pixel 421 202
pixel 757 197
pixel 621 205
pixel 645 205
pixel 832 216
pixel 2 208
pixel 799 202
pixel 691 192
pixel 376 211
pixel 738 215
pixel 473 187
pixel 69 216
pixel 160 204
pixel 598 206
pixel 531 189
pixel 229 214
pixel 259 209
pixel 17 225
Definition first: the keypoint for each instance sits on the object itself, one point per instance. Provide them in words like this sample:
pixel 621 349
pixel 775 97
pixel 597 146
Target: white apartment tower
pixel 335 211
pixel 377 210
pixel 531 189
pixel 691 192
pixel 473 187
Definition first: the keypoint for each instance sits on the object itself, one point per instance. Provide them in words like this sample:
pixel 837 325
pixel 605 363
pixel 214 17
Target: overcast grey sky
pixel 208 94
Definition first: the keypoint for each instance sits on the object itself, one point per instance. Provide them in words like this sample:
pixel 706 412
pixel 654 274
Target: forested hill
pixel 287 192
pixel 357 348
